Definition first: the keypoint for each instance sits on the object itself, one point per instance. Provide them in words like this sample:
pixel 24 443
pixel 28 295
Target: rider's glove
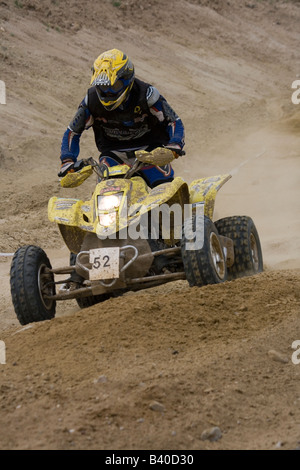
pixel 176 155
pixel 67 166
pixel 177 152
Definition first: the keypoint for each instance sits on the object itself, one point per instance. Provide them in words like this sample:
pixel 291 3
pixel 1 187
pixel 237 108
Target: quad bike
pixel 115 247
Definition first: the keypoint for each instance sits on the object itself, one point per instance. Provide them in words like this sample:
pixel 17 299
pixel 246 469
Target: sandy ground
pixel 155 369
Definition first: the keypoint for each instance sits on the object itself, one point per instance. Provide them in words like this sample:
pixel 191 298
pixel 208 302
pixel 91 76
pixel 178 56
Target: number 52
pixel 97 262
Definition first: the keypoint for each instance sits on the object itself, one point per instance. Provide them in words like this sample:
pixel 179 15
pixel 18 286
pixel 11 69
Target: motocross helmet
pixel 113 77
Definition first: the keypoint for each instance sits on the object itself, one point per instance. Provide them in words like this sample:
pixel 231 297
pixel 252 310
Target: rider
pixel 126 114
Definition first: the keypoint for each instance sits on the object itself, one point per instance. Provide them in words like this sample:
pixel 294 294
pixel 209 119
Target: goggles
pixel 114 89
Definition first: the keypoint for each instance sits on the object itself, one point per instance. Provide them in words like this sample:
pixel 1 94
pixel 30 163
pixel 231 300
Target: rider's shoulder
pixel 85 102
pixel 152 95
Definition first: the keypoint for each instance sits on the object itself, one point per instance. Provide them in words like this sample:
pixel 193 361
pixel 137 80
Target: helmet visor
pixel 112 90
pixel 111 96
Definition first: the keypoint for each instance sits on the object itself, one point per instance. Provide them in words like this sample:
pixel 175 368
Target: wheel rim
pixel 254 252
pixel 217 256
pixel 44 288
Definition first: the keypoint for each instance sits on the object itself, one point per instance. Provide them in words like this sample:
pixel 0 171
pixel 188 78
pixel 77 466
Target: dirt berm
pixel 155 369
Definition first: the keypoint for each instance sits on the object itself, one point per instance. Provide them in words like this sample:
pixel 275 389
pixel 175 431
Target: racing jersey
pixel 145 121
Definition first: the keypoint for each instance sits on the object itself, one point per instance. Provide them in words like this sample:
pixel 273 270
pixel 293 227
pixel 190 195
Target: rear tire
pixel 203 257
pixel 29 283
pixel 248 259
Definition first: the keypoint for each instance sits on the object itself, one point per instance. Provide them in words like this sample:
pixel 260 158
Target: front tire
pixel 202 253
pixel 248 258
pixel 30 283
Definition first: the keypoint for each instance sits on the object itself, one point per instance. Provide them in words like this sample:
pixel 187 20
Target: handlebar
pixel 102 170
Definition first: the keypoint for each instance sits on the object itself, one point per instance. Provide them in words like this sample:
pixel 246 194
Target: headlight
pixel 108 207
pixel 110 202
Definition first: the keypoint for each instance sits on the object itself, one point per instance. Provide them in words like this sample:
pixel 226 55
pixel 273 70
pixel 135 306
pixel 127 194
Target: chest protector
pixel 130 127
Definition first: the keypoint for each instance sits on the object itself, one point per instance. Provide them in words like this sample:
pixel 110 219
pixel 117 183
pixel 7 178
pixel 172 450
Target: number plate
pixel 105 263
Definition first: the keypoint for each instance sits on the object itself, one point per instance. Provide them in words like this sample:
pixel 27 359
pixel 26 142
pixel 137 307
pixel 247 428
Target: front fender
pixel 205 190
pixel 73 212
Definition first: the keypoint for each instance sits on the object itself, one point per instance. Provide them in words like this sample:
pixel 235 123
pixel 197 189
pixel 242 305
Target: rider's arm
pixel 161 109
pixel 71 138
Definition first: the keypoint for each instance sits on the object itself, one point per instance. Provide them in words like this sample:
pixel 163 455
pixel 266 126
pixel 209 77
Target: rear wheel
pixel 248 259
pixel 202 253
pixel 30 283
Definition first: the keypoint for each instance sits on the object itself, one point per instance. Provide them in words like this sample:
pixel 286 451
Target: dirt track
pixel 215 356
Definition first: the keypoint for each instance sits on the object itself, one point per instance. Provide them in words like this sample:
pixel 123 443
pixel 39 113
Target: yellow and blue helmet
pixel 113 76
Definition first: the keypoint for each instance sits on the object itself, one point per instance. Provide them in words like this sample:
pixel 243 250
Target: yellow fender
pixel 165 193
pixel 205 190
pixel 73 212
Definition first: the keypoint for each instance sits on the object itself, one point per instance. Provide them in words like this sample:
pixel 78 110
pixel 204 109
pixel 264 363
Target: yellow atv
pixel 129 237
